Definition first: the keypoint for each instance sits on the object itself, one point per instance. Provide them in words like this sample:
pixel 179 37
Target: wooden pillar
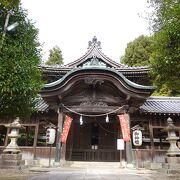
pixel 63 152
pixel 58 133
pixel 27 135
pixel 64 148
pixel 129 156
pixel 151 138
pixel 35 138
pixel 70 141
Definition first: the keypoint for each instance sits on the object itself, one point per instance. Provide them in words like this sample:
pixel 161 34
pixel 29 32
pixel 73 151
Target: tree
pixel 138 52
pixel 6 8
pixel 165 60
pixel 55 56
pixel 20 78
pixel 9 4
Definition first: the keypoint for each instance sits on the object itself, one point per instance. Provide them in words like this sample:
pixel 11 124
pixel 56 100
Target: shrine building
pixel 94 90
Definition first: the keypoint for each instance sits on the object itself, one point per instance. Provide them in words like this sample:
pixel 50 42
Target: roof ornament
pixel 94 42
pixel 94 61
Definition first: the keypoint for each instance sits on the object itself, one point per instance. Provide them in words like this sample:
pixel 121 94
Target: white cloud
pixel 71 24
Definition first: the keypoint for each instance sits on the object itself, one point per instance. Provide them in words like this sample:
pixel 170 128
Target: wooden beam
pixel 94 109
pixel 3 124
pixel 158 127
pixel 34 124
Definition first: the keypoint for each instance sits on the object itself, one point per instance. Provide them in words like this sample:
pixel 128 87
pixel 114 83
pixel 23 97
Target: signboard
pixel 120 144
pixel 137 138
pixel 67 125
pixel 124 127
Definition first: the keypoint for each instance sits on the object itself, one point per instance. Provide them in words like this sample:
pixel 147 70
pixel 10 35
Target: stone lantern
pixel 173 153
pixel 11 156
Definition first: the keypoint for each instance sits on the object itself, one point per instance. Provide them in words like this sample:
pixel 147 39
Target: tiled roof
pixel 61 70
pixel 99 70
pixel 161 105
pixel 41 105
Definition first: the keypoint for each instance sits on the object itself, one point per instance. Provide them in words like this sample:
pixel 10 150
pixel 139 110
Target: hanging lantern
pixel 81 120
pixel 107 118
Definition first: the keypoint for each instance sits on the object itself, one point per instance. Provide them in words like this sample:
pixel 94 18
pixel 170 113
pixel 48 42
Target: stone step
pixel 6 156
pixel 96 164
pixel 13 162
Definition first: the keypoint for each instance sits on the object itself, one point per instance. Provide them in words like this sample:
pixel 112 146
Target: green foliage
pixel 164 91
pixel 20 78
pixel 138 52
pixel 55 56
pixel 9 4
pixel 165 60
pixel 26 139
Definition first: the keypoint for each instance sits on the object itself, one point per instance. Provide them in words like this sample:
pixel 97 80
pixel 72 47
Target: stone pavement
pixel 86 172
pixel 94 173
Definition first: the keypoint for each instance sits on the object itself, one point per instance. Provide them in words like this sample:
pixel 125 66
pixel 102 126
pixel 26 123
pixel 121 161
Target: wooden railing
pixel 29 153
pixel 114 155
pixel 95 155
pixel 148 155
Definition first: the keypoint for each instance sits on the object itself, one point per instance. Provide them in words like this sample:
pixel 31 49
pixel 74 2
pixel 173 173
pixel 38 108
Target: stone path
pixel 86 173
pixel 101 174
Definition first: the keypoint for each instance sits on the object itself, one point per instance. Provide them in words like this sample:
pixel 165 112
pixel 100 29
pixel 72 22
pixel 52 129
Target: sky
pixel 70 24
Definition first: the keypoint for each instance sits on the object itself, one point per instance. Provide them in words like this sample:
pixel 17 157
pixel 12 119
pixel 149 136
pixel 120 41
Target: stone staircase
pixel 85 164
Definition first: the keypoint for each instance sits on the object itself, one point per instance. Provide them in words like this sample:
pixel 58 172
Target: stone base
pixel 130 165
pixel 6 156
pixel 171 168
pixel 56 164
pixel 63 162
pixel 153 166
pixel 32 163
pixel 12 161
pixel 173 160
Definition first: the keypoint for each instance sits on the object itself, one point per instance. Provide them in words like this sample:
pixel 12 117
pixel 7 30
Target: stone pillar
pixel 58 133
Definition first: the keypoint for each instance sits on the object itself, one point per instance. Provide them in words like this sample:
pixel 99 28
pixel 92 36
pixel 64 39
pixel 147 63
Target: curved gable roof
pixel 94 52
pixel 107 73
